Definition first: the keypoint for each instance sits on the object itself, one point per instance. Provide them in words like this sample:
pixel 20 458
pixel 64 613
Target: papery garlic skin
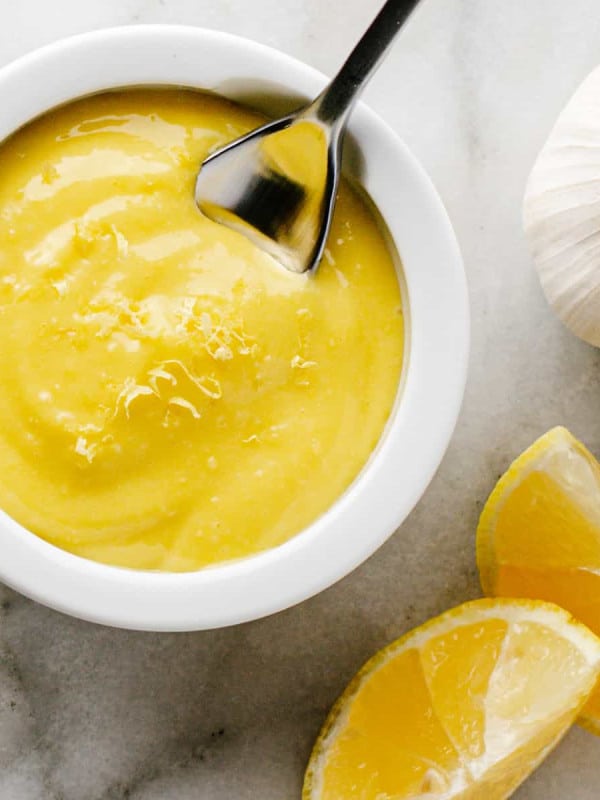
pixel 561 213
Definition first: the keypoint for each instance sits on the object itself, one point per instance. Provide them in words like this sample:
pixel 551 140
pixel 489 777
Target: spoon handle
pixel 335 102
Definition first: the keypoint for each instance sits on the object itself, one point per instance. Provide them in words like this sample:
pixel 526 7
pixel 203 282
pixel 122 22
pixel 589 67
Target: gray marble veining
pixel 89 713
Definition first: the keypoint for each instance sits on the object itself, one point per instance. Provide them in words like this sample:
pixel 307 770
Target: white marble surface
pixel 89 713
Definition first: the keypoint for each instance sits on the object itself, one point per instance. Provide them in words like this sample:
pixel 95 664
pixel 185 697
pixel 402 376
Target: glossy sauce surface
pixel 172 398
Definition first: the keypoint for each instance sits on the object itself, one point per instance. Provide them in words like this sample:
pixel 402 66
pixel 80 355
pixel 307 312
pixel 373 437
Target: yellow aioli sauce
pixel 170 397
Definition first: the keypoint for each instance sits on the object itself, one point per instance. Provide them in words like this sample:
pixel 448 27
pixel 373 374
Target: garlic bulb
pixel 562 213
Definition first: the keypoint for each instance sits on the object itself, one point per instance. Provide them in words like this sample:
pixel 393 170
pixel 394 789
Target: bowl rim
pixel 420 428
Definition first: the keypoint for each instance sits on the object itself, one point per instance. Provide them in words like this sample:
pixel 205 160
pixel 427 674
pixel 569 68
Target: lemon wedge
pixel 465 706
pixel 539 534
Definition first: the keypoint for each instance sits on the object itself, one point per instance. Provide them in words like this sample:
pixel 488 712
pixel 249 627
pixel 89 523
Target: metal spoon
pixel 278 184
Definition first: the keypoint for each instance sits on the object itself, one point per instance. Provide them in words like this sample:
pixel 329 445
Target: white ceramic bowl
pixel 435 366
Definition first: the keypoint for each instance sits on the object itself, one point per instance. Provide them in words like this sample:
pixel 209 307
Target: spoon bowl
pixel 276 186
